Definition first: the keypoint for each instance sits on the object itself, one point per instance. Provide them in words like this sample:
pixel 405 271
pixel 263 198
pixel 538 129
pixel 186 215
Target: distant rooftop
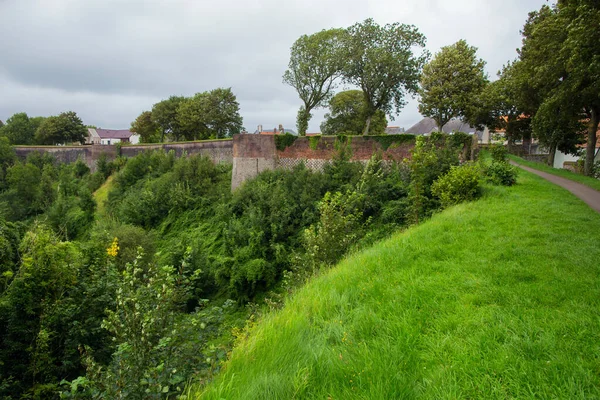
pixel 114 133
pixel 394 130
pixel 274 131
pixel 428 125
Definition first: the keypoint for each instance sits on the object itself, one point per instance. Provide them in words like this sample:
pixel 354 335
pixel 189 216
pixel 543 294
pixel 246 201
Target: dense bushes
pixel 501 173
pixel 79 290
pixel 460 184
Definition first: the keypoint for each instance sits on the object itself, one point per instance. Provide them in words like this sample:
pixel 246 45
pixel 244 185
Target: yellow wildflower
pixel 114 248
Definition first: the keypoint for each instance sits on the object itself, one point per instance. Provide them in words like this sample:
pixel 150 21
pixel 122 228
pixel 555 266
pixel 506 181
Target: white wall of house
pixel 560 158
pixel 110 141
pixel 92 137
pixel 134 139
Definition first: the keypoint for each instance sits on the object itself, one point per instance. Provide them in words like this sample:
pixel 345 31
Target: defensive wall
pixel 253 154
pixel 220 151
pixel 249 154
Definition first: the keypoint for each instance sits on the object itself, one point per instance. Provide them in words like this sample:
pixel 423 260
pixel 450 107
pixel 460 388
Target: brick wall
pixel 253 154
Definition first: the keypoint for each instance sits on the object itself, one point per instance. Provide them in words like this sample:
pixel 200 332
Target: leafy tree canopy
pixel 561 57
pixel 380 60
pixel 315 63
pixel 214 114
pixel 452 83
pixel 65 128
pixel 164 114
pixel 20 129
pixel 146 127
pixel 348 115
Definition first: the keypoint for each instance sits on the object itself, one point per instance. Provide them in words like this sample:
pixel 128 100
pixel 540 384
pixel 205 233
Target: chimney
pixel 280 128
pixel 259 129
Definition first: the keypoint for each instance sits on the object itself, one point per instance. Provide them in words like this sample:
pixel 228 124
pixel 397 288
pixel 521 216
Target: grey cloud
pixel 110 59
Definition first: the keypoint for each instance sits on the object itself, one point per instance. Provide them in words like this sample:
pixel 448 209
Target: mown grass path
pixel 589 196
pixel 496 299
pixel 586 180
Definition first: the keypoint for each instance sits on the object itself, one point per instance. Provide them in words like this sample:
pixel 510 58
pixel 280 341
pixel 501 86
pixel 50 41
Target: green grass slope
pixel 101 195
pixel 495 299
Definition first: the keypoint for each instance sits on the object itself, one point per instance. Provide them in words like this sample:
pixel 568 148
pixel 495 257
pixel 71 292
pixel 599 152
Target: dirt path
pixel 590 196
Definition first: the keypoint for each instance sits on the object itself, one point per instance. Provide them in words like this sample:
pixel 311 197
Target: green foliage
pixel 20 129
pixel 558 58
pixel 176 186
pixel 164 114
pixel 31 310
pixel 313 141
pixel 431 157
pixel 315 64
pixel 501 173
pixel 284 141
pixel 499 153
pixel 65 128
pixel 460 184
pixel 387 141
pixel 10 237
pixel 7 159
pixel 370 49
pixel 452 83
pixel 207 115
pixel 145 126
pixel 337 230
pixel 348 115
pixel 472 304
pixel 508 103
pixel 157 350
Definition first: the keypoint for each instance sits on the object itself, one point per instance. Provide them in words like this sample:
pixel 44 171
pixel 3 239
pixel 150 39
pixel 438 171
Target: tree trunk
pixel 590 149
pixel 302 120
pixel 551 155
pixel 367 125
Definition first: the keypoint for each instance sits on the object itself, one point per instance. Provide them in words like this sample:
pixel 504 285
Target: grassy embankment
pixel 494 299
pixel 586 180
pixel 101 195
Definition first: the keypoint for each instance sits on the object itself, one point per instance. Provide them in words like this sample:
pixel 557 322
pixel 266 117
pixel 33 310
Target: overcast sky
pixel 109 60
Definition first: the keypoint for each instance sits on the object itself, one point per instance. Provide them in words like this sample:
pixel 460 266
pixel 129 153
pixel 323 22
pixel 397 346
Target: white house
pixel 111 136
pixel 562 160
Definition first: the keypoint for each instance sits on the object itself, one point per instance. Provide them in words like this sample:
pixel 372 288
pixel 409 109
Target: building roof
pixel 275 132
pixel 428 125
pixel 114 133
pixel 394 130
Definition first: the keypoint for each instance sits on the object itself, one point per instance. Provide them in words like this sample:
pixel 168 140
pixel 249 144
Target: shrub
pixel 458 185
pixel 501 173
pixel 284 141
pixel 499 153
pixel 328 240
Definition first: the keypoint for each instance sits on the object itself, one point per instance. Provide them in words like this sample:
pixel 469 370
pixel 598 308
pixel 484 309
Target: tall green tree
pixel 64 128
pixel 348 115
pixel 224 117
pixel 380 60
pixel 561 56
pixel 508 103
pixel 146 127
pixel 315 64
pixel 7 159
pixel 20 129
pixel 192 117
pixel 206 115
pixel 164 114
pixel 581 51
pixel 452 83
